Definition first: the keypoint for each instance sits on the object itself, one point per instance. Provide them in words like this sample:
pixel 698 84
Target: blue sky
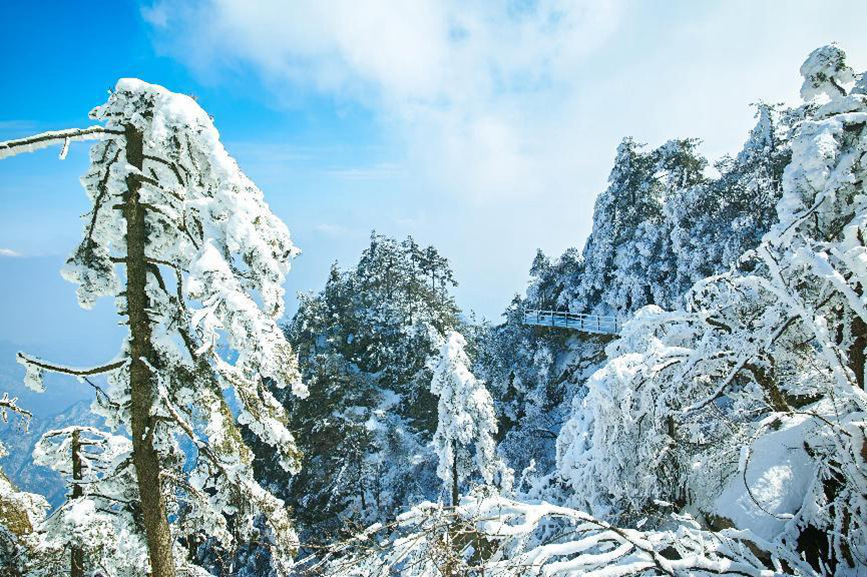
pixel 485 128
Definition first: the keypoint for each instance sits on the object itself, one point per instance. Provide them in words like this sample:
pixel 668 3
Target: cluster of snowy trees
pixel 663 224
pixel 723 431
pixel 725 435
pixel 364 345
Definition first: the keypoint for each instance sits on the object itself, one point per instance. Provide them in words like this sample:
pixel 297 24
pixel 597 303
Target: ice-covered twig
pixel 429 537
pixel 107 368
pixel 10 405
pixel 736 370
pixel 38 141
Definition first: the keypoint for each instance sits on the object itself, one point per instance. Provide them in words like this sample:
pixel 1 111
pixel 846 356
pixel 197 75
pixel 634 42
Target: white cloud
pixel 463 84
pixel 156 15
pixel 502 116
pixel 9 253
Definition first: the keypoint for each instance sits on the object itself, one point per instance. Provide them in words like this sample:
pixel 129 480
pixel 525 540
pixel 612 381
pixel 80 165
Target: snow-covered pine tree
pixel 712 225
pixel 748 404
pixel 466 421
pixel 628 261
pixel 20 512
pixel 204 262
pixel 94 528
pixel 363 344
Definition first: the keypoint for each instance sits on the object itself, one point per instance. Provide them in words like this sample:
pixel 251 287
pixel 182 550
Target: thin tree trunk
pixel 857 360
pixel 454 476
pixel 145 456
pixel 76 556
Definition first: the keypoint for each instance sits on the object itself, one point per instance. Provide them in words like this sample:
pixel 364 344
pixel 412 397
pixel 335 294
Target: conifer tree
pixel 20 512
pixel 203 262
pixel 466 421
pixel 93 530
pixel 365 430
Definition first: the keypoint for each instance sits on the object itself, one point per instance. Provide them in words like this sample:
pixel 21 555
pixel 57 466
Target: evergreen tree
pixel 464 439
pixel 204 262
pixel 95 528
pixel 363 344
pixel 20 513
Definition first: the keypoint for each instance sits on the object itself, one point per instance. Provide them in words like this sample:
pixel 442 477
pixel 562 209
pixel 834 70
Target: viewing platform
pixel 585 323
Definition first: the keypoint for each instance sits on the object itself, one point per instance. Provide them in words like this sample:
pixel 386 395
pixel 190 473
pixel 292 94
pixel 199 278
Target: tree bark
pixel 454 476
pixel 142 389
pixel 857 357
pixel 76 555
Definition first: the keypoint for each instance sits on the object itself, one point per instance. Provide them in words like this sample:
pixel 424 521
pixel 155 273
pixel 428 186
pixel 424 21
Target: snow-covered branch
pixel 36 368
pixel 10 405
pixel 62 137
pixel 504 538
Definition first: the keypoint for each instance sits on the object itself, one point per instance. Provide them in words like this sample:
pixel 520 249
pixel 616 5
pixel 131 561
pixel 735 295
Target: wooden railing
pixel 575 321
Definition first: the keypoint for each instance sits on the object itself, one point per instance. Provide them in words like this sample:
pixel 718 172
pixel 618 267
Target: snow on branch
pixel 10 405
pixel 45 139
pixel 36 368
pixel 503 537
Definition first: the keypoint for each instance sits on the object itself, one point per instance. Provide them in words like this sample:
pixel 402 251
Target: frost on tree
pixel 749 403
pixel 364 343
pixel 725 436
pixel 96 526
pixel 502 537
pixel 826 74
pixel 689 227
pixel 195 260
pixel 20 513
pixel 464 439
pixel 662 224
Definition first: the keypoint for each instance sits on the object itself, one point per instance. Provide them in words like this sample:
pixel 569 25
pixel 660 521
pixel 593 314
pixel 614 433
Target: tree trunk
pixel 857 350
pixel 142 389
pixel 76 555
pixel 454 476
